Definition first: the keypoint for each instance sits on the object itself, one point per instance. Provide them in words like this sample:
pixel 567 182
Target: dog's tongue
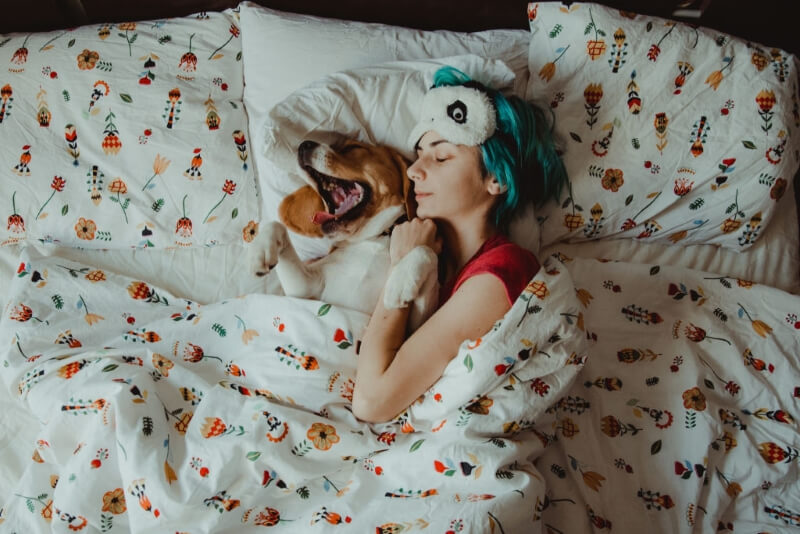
pixel 321 217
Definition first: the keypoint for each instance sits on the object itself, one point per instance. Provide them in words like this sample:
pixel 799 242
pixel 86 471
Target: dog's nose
pixel 306 147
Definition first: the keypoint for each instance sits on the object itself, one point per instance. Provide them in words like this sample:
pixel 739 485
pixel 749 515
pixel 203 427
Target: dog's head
pixel 355 191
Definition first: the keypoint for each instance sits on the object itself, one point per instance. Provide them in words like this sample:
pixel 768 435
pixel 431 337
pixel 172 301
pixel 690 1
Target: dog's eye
pixel 347 148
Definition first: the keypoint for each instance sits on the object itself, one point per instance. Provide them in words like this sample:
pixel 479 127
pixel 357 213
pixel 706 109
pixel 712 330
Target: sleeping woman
pixel 481 158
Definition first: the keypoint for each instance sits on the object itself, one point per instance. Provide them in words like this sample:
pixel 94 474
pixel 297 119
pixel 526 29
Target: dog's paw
pixel 267 246
pixel 408 276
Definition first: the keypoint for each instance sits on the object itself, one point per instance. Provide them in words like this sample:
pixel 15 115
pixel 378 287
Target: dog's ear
pixel 297 211
pixel 408 186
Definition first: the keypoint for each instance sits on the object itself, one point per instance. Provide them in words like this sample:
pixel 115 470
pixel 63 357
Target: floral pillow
pixel 126 135
pixel 672 134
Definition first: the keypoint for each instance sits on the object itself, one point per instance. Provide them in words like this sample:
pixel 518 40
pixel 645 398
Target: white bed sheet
pixel 214 274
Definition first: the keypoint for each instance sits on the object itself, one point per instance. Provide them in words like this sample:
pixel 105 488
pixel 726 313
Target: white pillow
pixel 377 105
pixel 705 127
pixel 105 127
pixel 288 51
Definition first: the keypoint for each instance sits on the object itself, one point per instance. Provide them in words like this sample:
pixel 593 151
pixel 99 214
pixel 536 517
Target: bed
pixel 645 380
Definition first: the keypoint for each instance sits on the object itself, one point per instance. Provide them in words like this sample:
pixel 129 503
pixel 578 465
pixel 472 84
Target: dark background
pixel 763 21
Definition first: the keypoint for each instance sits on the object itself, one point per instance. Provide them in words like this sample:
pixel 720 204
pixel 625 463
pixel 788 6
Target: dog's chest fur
pixel 356 273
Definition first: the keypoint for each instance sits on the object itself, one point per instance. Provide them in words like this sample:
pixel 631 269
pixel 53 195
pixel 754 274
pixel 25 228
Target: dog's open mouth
pixel 343 199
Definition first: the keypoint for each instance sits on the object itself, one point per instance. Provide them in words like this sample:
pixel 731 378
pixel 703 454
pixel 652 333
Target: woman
pixel 481 157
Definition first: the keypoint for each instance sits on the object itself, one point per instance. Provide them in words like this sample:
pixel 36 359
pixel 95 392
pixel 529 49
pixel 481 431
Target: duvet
pixel 684 417
pixel 160 415
pixel 612 397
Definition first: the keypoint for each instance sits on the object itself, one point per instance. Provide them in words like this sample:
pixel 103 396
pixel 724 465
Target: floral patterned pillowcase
pixel 126 135
pixel 672 134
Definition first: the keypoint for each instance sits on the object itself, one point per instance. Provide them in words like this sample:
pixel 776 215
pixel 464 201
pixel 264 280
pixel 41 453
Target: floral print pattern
pixel 646 135
pixel 154 411
pixel 131 98
pixel 689 428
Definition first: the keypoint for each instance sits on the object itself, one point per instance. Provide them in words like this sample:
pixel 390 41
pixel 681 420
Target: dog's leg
pixel 275 250
pixel 414 280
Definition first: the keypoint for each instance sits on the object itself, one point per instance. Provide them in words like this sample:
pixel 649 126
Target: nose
pixel 306 147
pixel 415 171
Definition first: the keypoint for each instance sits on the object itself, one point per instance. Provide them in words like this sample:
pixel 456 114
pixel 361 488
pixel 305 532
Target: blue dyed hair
pixel 521 153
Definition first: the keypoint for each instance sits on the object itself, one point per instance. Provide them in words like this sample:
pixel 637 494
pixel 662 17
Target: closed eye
pixel 348 148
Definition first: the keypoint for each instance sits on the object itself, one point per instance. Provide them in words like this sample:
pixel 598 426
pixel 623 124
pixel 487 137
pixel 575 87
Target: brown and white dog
pixel 355 194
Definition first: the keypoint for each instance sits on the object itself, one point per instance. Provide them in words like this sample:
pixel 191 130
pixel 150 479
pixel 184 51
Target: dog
pixel 355 193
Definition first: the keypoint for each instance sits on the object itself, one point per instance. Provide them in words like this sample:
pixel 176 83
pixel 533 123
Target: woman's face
pixel 448 182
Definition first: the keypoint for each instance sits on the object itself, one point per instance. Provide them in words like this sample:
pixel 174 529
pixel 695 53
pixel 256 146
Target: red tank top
pixel 512 264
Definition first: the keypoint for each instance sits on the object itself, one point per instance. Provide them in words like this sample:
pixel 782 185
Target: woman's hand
pixel 412 234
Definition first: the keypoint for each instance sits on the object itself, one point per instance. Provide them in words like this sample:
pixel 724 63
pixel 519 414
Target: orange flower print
pixel 128 27
pixel 141 291
pixel 612 180
pixel 19 57
pixel 715 77
pixel 682 186
pixel 85 229
pixel 162 364
pixel 538 288
pixel 213 426
pixel 184 225
pixel 194 353
pixel 778 189
pixel 57 185
pixel 250 232
pixel 21 313
pixel 697 334
pixel 761 328
pixel 241 147
pixel 160 165
pixel 693 399
pixel 16 223
pixel 188 62
pixel 772 453
pixel 268 518
pixel 87 59
pixel 114 501
pixel 593 480
pixel 183 424
pixel 480 406
pixel 322 436
pixel 548 71
pixel 595 47
pixel 234 31
pixel 95 276
pixel 228 188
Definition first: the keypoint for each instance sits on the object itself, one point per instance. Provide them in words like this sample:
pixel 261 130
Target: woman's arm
pixel 392 372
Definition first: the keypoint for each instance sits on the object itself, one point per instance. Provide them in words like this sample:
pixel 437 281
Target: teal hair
pixel 521 154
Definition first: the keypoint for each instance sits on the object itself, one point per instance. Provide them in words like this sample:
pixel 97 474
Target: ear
pixel 494 186
pixel 408 186
pixel 297 211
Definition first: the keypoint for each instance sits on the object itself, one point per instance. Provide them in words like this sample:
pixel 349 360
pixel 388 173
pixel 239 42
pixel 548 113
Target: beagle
pixel 355 194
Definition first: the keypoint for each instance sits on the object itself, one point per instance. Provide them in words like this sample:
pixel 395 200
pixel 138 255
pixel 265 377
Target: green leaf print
pixel 468 362
pixel 324 309
pixel 417 444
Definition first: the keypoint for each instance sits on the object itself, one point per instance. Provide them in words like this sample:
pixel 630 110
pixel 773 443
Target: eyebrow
pixel 431 145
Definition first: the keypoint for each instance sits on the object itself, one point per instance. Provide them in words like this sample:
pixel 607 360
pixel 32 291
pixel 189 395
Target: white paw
pixel 408 276
pixel 266 247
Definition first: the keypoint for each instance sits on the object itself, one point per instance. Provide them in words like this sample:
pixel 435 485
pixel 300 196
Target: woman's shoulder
pixel 504 252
